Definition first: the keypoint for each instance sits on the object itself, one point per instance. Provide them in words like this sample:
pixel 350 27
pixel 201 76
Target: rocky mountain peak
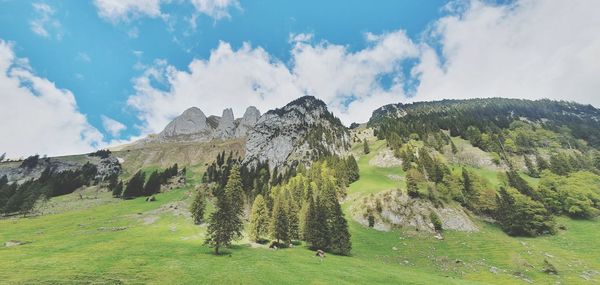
pixel 247 122
pixel 302 130
pixel 226 128
pixel 191 121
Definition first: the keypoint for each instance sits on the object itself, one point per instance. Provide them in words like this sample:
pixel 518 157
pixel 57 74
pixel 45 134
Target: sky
pixel 76 76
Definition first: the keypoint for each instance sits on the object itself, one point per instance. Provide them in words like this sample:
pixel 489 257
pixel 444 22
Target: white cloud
pixel 125 10
pixel 82 56
pixel 529 49
pixel 37 116
pixel 112 126
pixel 44 24
pixel 216 9
pixel 116 11
pixel 250 76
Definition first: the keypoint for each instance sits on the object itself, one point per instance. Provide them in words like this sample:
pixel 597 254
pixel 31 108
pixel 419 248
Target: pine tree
pixel 352 169
pixel 339 236
pixel 412 186
pixel 366 149
pixel 318 227
pixel 279 220
pixel 293 220
pixel 235 190
pixel 467 182
pixel 135 186
pixel 225 223
pixel 198 207
pixel 259 218
pixel 118 190
pixel 153 184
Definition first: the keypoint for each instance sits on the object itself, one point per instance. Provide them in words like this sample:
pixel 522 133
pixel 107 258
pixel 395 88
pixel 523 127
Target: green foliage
pixel 577 195
pixel 22 198
pixel 117 190
pixel 280 220
pixel 259 219
pixel 225 223
pixel 30 162
pixel 198 207
pixel 436 221
pixel 135 186
pixel 531 169
pixel 152 186
pixel 366 149
pixel 519 215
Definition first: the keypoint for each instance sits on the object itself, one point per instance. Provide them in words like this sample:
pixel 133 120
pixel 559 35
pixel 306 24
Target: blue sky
pixel 371 52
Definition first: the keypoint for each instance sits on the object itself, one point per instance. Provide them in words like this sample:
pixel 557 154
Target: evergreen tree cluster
pixel 485 122
pixel 305 208
pixel 15 198
pixel 138 186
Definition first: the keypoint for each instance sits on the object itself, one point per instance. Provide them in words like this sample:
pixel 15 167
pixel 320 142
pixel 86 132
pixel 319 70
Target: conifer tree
pixel 235 190
pixel 259 218
pixel 279 220
pixel 352 169
pixel 293 220
pixel 153 184
pixel 317 227
pixel 118 190
pixel 135 186
pixel 225 223
pixel 412 186
pixel 198 207
pixel 339 236
pixel 366 149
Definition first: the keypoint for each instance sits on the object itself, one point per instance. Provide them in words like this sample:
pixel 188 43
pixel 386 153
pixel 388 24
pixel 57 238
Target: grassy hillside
pixel 116 241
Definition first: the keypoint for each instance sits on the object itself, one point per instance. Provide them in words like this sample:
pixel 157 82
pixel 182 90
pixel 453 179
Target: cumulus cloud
pixel 36 115
pixel 216 9
pixel 250 76
pixel 527 49
pixel 126 10
pixel 44 23
pixel 112 126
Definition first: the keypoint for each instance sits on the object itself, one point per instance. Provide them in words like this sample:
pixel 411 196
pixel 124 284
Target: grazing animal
pixel 320 254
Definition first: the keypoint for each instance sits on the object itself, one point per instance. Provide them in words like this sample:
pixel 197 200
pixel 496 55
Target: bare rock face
pixel 191 122
pixel 226 128
pixel 247 122
pixel 193 126
pixel 394 209
pixel 301 131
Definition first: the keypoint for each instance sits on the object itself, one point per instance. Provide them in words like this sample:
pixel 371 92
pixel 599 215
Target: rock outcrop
pixel 302 131
pixel 193 126
pixel 247 122
pixel 226 128
pixel 393 209
pixel 191 122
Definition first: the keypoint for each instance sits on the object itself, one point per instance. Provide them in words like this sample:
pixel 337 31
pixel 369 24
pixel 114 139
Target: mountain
pixel 490 116
pixel 193 126
pixel 302 131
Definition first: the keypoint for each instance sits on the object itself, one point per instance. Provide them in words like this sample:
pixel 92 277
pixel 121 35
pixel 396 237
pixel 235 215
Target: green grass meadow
pixel 139 242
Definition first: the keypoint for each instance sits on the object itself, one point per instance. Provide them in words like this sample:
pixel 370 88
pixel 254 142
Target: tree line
pixel 21 198
pixel 302 207
pixel 138 185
